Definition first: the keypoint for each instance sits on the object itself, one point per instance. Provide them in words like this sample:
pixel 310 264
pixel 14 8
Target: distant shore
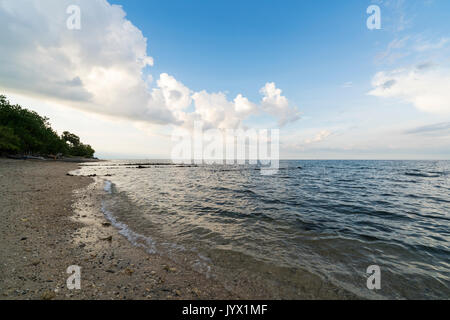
pixel 42 235
pixel 60 159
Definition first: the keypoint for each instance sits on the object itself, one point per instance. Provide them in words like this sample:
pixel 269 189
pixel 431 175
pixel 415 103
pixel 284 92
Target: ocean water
pixel 310 231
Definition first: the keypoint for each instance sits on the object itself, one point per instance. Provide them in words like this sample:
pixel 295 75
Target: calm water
pixel 296 232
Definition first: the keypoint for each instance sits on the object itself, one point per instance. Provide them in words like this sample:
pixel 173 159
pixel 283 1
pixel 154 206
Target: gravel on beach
pixel 41 235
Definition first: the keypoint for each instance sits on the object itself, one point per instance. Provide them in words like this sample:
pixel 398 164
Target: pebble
pixel 196 291
pixel 129 271
pixel 109 238
pixel 170 269
pixel 48 295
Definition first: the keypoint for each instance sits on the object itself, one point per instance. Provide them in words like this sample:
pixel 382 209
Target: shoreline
pixel 42 234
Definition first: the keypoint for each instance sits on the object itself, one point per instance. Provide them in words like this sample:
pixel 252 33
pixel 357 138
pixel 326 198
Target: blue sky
pixel 360 93
pixel 304 46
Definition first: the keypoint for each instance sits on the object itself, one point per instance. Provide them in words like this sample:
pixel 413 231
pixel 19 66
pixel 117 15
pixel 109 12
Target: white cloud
pixel 413 47
pixel 308 139
pixel 173 95
pixel 394 51
pixel 322 135
pixel 277 105
pixel 216 110
pixel 422 46
pixel 219 112
pixel 396 14
pixel 426 88
pixel 100 68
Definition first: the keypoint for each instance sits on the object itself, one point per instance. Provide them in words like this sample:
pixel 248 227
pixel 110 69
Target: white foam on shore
pixel 201 264
pixel 108 186
pixel 135 238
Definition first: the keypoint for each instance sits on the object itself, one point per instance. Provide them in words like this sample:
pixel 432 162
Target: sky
pixel 137 70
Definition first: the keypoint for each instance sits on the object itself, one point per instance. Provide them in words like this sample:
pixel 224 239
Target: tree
pixel 83 150
pixel 71 138
pixel 9 142
pixel 25 131
pixel 76 147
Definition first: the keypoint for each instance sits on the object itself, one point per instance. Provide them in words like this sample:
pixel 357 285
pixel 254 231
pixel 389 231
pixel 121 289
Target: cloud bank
pixel 424 78
pixel 100 68
pixel 423 86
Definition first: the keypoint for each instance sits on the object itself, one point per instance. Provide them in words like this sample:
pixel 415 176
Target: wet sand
pixel 44 230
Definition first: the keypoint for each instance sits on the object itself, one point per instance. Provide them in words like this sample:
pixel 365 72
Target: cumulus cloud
pixel 171 94
pixel 277 105
pixel 101 68
pixel 424 87
pixel 97 68
pixel 217 111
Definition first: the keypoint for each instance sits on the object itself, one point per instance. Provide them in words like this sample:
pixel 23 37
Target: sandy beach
pixel 42 235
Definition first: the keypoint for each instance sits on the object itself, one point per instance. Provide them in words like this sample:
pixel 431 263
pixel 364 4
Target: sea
pixel 314 230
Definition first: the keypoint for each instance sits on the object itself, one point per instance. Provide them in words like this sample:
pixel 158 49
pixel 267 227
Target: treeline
pixel 25 132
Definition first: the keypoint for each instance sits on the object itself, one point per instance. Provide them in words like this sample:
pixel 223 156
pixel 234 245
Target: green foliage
pixel 83 150
pixel 9 142
pixel 76 148
pixel 72 139
pixel 25 131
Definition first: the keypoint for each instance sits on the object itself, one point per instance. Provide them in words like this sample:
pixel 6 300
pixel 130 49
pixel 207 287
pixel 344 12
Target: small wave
pixel 368 238
pixel 441 173
pixel 136 239
pixel 421 174
pixel 430 216
pixel 200 263
pixel 397 210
